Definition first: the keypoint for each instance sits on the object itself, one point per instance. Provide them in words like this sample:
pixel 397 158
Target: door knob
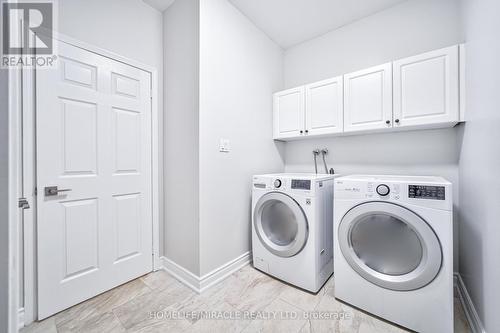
pixel 53 190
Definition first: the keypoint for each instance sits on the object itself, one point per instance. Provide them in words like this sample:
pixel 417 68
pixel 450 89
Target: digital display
pixel 300 184
pixel 426 192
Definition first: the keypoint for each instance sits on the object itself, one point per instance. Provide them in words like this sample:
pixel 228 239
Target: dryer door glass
pixel 386 244
pixel 280 224
pixel 390 246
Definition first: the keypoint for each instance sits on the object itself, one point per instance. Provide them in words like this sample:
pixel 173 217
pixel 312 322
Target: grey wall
pixel 413 27
pixel 479 161
pixel 220 71
pixel 409 28
pixel 129 28
pixel 4 226
pixel 240 67
pixel 181 52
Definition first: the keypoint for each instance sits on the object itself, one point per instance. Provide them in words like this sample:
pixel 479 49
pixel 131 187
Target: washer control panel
pixel 283 184
pixel 301 184
pixel 426 192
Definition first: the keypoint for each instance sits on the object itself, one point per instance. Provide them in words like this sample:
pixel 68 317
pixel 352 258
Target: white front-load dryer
pixel 292 226
pixel 393 249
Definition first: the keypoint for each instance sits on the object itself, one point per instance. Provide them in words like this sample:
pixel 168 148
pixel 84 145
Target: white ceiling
pixel 161 5
pixel 289 22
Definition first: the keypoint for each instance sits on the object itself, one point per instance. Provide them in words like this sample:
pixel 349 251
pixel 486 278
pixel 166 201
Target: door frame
pixel 13 215
pixel 29 313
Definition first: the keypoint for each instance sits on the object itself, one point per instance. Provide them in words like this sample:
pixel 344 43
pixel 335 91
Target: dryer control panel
pixel 426 192
pixel 396 189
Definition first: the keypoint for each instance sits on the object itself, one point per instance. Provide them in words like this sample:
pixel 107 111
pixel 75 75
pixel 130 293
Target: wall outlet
pixel 224 146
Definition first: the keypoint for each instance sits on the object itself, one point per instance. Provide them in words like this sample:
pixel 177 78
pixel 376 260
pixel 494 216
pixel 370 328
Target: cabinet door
pixel 426 88
pixel 368 99
pixel 289 114
pixel 325 107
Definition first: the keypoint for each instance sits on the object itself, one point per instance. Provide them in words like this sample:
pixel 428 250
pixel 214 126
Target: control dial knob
pixel 383 190
pixel 277 183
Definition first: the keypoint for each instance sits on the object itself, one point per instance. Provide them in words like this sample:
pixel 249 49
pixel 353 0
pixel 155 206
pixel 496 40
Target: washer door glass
pixel 390 246
pixel 280 224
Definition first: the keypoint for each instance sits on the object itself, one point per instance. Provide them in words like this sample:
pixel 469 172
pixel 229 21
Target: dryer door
pixel 280 224
pixel 390 246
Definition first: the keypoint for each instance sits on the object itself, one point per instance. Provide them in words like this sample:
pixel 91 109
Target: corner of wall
pixel 181 123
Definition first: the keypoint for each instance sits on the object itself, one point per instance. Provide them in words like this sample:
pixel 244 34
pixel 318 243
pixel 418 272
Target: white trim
pixel 157 163
pixel 470 311
pixel 180 273
pixel 222 272
pixel 157 178
pixel 200 284
pixel 15 107
pixel 103 52
pixel 29 184
pixel 20 318
pixel 462 81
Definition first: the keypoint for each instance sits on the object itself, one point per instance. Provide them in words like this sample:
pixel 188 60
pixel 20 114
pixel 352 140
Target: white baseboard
pixel 222 272
pixel 470 311
pixel 200 284
pixel 180 273
pixel 20 318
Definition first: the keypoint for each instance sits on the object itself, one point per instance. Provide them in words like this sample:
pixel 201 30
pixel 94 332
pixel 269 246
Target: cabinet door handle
pixel 307 131
pixel 397 121
pixel 387 122
pixel 301 132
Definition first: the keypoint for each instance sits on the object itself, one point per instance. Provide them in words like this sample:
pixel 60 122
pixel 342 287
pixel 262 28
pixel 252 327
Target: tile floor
pixel 157 302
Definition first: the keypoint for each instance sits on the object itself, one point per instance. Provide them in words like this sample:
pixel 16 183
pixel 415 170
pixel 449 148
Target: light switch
pixel 224 146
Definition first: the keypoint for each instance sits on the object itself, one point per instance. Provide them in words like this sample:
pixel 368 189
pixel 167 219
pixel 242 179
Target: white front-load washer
pixel 393 249
pixel 292 226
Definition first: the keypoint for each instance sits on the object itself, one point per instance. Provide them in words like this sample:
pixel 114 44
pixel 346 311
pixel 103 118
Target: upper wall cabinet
pixel 426 89
pixel 315 109
pixel 368 99
pixel 324 107
pixel 423 91
pixel 289 114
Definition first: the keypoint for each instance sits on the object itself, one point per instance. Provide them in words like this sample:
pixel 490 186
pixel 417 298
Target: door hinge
pixel 23 203
pixel 36 190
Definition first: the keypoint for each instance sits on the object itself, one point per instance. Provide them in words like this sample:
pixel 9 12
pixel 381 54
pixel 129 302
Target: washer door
pixel 390 246
pixel 281 224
